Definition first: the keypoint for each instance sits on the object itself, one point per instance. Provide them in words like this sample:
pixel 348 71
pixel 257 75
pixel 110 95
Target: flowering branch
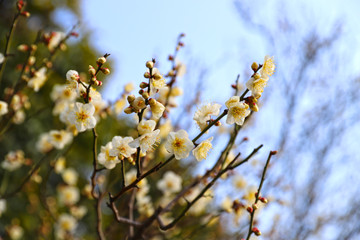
pixel 257 197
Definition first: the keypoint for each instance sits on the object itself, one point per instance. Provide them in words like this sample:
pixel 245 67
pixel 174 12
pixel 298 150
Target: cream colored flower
pixel 256 85
pixel 201 151
pixel 68 195
pixel 82 116
pixel 13 160
pixel 2 206
pixel 66 224
pixel 237 113
pixel 15 232
pixel 170 183
pixel 72 76
pixel 104 157
pixel 60 165
pixel 70 176
pixel 43 145
pixel 121 147
pixel 138 104
pixel 54 39
pixel 146 126
pixel 232 101
pixel 145 141
pixel 3 108
pixel 204 113
pixel 63 93
pixel 268 67
pixel 38 80
pixel 2 58
pixel 60 138
pixel 157 110
pixel 179 144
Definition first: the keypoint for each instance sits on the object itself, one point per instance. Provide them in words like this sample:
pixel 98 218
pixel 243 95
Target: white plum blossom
pixel 256 85
pixel 121 147
pixel 179 144
pixel 68 195
pixel 70 176
pixel 82 116
pixel 268 67
pixel 66 224
pixel 3 108
pixel 104 157
pixel 201 151
pixel 146 126
pixel 54 39
pixel 13 160
pixel 38 79
pixel 60 138
pixel 43 145
pixel 238 111
pixel 72 75
pixel 204 113
pixel 170 183
pixel 63 93
pixel 145 141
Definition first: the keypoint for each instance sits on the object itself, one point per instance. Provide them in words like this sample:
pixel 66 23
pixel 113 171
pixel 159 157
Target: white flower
pixel 268 67
pixel 63 93
pixel 146 126
pixel 19 117
pixel 170 183
pixel 66 223
pixel 43 145
pixel 60 165
pixel 60 138
pixel 203 114
pixel 13 160
pixel 2 206
pixel 121 147
pixel 70 176
pixel 179 144
pixel 78 211
pixel 68 195
pixel 237 113
pixel 201 151
pixel 104 157
pixel 138 104
pixel 54 39
pixel 82 116
pixel 145 141
pixel 3 108
pixel 72 76
pixel 130 177
pixel 233 100
pixel 38 80
pixel 157 109
pixel 15 232
pixel 256 85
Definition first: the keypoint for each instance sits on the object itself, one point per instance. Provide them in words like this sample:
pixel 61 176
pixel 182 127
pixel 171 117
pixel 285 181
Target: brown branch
pixel 257 195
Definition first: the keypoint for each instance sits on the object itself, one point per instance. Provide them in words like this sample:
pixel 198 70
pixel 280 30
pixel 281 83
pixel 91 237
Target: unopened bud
pixel 92 70
pixel 234 86
pixel 20 4
pixel 181 44
pixel 254 66
pixel 273 152
pixel 141 91
pixel 170 58
pixel 98 83
pixel 93 80
pixel 25 14
pixel 101 60
pixel 130 98
pixel 146 75
pixel 105 71
pixel 33 47
pixel 62 46
pixel 23 48
pixel 128 110
pixel 218 124
pixel 157 76
pixel 263 200
pixel 145 95
pixel 31 60
pixel 149 64
pixel 75 34
pixel 249 209
pixel 152 102
pixel 255 207
pixel 144 85
pixel 256 231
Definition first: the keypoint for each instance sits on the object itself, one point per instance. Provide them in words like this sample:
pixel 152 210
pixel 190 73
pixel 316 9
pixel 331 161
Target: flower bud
pixel 255 207
pixel 263 200
pixel 105 71
pixel 170 58
pixel 93 80
pixel 20 4
pixel 23 48
pixel 98 83
pixel 25 14
pixel 101 60
pixel 254 66
pixel 144 85
pixel 146 75
pixel 92 70
pixel 33 47
pixel 256 231
pixel 128 110
pixel 256 76
pixel 218 124
pixel 152 102
pixel 171 73
pixel 130 98
pixel 249 209
pixel 145 95
pixel 273 152
pixel 31 60
pixel 157 76
pixel 149 64
pixel 141 91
